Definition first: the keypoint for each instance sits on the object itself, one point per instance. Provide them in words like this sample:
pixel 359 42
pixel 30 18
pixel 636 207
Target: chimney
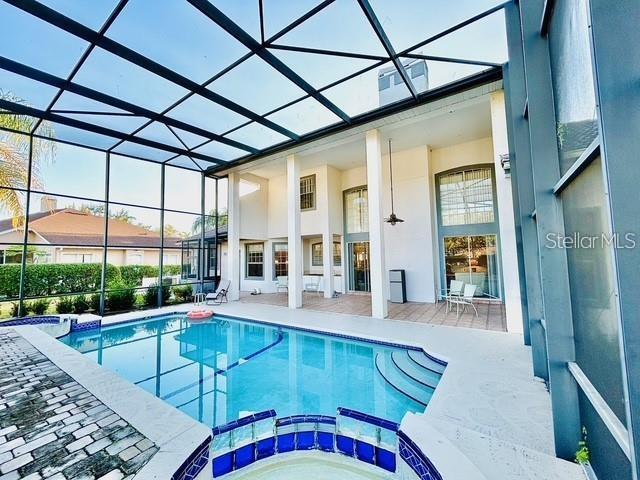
pixel 48 204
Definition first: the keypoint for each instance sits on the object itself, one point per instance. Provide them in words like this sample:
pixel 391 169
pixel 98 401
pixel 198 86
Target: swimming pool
pixel 226 368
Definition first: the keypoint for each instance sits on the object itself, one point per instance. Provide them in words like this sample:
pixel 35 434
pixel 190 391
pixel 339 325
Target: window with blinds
pixel 466 197
pixel 255 260
pixel 308 192
pixel 280 260
pixel 316 255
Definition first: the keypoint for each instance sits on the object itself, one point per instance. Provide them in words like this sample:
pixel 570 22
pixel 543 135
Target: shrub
pixel 133 274
pixel 65 305
pixel 15 307
pixel 38 307
pixel 120 296
pixel 94 302
pixel 54 279
pixel 183 293
pixel 151 295
pixel 80 304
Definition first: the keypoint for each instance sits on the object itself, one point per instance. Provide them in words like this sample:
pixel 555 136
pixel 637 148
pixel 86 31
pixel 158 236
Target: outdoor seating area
pixel 487 316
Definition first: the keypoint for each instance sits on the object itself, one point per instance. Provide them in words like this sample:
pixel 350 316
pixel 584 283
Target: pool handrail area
pixel 365 438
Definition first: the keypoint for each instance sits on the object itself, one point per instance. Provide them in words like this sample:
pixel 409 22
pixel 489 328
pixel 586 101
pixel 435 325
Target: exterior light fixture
pixel 392 219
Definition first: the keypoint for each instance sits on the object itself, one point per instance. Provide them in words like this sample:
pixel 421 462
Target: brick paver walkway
pixel 52 427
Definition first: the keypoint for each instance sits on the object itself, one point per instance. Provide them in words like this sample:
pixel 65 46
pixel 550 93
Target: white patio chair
pixel 455 290
pixel 220 295
pixel 313 286
pixel 465 299
pixel 282 283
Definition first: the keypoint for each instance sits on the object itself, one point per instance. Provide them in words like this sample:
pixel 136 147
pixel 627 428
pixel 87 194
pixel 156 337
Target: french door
pixel 359 278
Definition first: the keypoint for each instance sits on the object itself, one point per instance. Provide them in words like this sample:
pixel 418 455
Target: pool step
pixel 425 361
pixel 400 381
pixel 420 374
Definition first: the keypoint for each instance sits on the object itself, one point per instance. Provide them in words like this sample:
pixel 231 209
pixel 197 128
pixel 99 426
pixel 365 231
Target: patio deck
pixel 491 316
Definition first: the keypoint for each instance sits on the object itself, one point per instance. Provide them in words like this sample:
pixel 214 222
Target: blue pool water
pixel 221 370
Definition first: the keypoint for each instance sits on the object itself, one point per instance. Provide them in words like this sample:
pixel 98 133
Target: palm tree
pixel 209 221
pixel 14 157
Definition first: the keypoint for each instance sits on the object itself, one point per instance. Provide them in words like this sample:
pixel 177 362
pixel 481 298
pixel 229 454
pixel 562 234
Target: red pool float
pixel 199 314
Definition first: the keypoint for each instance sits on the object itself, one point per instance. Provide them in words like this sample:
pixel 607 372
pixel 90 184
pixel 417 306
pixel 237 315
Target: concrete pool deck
pixel 488 406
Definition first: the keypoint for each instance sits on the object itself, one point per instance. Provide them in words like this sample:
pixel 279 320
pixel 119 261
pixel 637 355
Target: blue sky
pixel 174 33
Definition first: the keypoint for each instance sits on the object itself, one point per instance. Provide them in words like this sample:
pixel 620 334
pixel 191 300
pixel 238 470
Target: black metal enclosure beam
pixel 456 27
pixel 386 43
pixel 112 17
pixel 333 53
pixel 90 127
pixel 481 78
pixel 480 63
pixel 299 21
pixel 81 31
pixel 43 77
pixel 248 41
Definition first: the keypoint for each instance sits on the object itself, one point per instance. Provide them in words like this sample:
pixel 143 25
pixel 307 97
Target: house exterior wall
pixel 412 245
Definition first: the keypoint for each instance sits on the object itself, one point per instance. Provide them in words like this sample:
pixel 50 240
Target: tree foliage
pixel 14 157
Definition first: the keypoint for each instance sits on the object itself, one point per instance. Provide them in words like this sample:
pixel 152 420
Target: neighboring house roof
pixel 72 227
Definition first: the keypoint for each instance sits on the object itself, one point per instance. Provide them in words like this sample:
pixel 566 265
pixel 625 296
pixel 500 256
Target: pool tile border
pixel 416 459
pixel 279 326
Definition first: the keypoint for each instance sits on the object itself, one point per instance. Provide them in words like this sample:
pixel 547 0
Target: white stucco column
pixel 233 235
pixel 377 266
pixel 510 274
pixel 327 239
pixel 293 232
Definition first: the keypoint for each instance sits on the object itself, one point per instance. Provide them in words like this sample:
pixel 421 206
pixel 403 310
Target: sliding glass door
pixel 472 259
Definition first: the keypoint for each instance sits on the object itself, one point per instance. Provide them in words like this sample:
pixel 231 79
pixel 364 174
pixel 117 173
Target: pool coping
pixel 476 360
pixel 180 439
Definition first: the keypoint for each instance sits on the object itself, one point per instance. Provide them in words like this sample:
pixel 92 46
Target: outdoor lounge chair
pixel 465 299
pixel 282 283
pixel 455 290
pixel 220 295
pixel 313 286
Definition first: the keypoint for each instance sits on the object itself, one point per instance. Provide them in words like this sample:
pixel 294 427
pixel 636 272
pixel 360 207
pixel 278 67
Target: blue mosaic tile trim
pixel 81 327
pixel 195 463
pixel 363 417
pixel 296 419
pixel 328 334
pixel 37 320
pixel 418 461
pixel 435 359
pixel 219 430
pixel 309 437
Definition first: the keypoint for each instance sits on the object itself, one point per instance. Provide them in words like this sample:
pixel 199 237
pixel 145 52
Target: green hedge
pixel 60 278
pixel 133 274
